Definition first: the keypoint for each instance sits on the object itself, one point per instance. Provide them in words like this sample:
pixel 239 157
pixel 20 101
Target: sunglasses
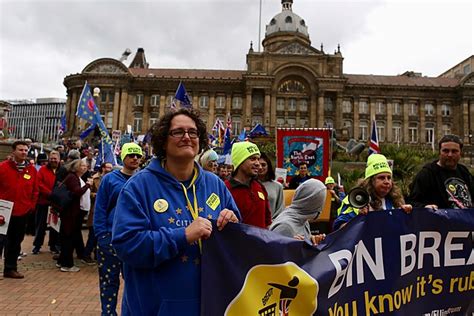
pixel 134 156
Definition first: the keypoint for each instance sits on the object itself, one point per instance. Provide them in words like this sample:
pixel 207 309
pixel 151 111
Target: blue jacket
pixel 106 199
pixel 161 270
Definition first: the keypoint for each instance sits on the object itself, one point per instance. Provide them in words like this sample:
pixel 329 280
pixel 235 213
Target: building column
pixel 146 113
pixel 273 110
pixel 320 111
pixel 123 109
pixel 355 123
pixel 439 121
pixel 422 129
pixel 312 110
pixel 464 132
pixel 388 127
pixel 338 124
pixel 162 105
pixel 115 110
pixel 371 104
pixel 73 122
pixel 212 111
pixel 405 122
pixel 267 110
pixel 247 117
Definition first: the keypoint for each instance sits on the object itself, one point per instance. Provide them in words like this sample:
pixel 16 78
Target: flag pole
pixel 259 26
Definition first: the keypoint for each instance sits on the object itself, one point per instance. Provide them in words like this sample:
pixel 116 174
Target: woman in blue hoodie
pixel 162 216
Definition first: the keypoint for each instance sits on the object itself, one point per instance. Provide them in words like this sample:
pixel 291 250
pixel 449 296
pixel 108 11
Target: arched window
pixel 288 19
pixel 292 86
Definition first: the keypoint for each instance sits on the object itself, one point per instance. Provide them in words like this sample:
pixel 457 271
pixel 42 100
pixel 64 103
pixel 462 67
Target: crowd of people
pixel 148 218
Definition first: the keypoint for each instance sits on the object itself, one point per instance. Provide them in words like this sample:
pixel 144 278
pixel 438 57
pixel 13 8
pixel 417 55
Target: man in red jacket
pixel 249 194
pixel 46 180
pixel 18 184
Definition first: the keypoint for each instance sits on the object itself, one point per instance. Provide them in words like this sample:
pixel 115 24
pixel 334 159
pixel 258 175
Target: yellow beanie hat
pixel 241 151
pixel 329 180
pixel 376 163
pixel 130 148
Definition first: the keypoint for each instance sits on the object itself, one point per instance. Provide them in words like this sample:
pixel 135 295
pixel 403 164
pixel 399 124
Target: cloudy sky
pixel 42 41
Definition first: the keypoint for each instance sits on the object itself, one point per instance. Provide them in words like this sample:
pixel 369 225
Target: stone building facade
pixel 289 84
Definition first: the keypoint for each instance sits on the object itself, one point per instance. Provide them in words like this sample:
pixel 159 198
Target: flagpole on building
pixel 259 26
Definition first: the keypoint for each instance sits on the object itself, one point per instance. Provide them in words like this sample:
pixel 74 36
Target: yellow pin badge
pixel 261 195
pixel 160 206
pixel 213 201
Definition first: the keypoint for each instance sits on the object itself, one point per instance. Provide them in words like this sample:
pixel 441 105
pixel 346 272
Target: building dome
pixel 287 21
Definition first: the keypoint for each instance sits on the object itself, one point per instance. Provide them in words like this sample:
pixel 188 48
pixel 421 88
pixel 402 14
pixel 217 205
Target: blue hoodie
pixel 161 270
pixel 106 199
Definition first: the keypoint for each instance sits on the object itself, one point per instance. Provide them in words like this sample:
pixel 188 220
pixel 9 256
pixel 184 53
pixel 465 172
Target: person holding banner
pixel 444 183
pixel 307 204
pixel 163 216
pixel 384 194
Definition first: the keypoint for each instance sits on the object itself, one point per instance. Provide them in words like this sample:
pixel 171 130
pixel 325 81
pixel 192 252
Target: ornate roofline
pixel 106 66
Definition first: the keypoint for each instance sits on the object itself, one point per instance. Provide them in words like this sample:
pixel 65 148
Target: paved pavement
pixel 46 290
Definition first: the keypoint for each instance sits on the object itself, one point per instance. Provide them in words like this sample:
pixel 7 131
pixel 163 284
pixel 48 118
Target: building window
pixel 347 124
pixel 237 103
pixel 303 105
pixel 381 130
pixel 111 97
pixel 397 109
pixel 328 105
pixel 257 101
pixel 466 69
pixel 429 109
pixel 379 108
pixel 280 104
pixel 289 19
pixel 139 100
pixel 155 100
pixel 204 102
pixel 363 130
pixel 328 123
pixel 303 123
pixel 110 119
pixel 169 100
pixel 397 132
pixel 430 133
pixel 346 106
pixel 137 122
pixel 446 110
pixel 446 129
pixel 291 122
pixel 256 120
pixel 220 102
pixel 280 121
pixel 291 104
pixel 413 109
pixel 236 125
pixel 103 97
pixel 413 132
pixel 363 107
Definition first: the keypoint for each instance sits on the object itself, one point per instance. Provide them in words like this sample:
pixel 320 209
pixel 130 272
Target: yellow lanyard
pixel 194 210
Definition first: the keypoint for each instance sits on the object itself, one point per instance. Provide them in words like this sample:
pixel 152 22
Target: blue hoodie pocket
pixel 179 307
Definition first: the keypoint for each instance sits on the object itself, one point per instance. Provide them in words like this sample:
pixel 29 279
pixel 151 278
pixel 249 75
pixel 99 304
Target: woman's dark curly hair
pixel 395 193
pixel 159 131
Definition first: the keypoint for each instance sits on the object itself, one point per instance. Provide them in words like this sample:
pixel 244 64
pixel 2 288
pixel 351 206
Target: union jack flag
pixel 374 140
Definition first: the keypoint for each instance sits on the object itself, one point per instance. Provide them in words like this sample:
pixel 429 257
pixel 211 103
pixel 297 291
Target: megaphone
pixel 358 198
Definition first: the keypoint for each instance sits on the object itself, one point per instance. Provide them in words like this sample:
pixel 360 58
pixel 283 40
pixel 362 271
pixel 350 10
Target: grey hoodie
pixel 307 203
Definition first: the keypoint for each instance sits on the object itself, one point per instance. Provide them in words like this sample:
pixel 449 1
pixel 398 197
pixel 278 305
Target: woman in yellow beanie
pixel 384 193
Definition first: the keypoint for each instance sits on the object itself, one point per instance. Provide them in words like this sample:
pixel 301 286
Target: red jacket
pixel 21 188
pixel 46 179
pixel 252 201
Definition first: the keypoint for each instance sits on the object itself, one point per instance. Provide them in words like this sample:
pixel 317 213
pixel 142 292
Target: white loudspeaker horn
pixel 358 198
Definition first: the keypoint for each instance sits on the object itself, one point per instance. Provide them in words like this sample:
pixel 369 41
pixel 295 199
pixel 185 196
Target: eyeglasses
pixel 179 133
pixel 134 156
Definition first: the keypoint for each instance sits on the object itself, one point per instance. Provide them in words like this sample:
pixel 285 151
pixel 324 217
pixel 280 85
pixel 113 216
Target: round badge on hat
pixel 160 205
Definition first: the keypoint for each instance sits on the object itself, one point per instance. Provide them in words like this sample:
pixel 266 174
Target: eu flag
pixel 183 96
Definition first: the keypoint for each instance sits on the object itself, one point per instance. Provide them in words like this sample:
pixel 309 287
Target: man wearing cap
pixel 249 194
pixel 383 192
pixel 444 183
pixel 106 199
pixel 18 184
pixel 335 200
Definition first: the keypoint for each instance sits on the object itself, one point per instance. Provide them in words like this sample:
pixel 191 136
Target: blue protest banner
pixel 387 262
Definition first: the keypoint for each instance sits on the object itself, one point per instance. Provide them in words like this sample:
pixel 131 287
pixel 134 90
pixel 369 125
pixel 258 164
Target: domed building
pixel 289 84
